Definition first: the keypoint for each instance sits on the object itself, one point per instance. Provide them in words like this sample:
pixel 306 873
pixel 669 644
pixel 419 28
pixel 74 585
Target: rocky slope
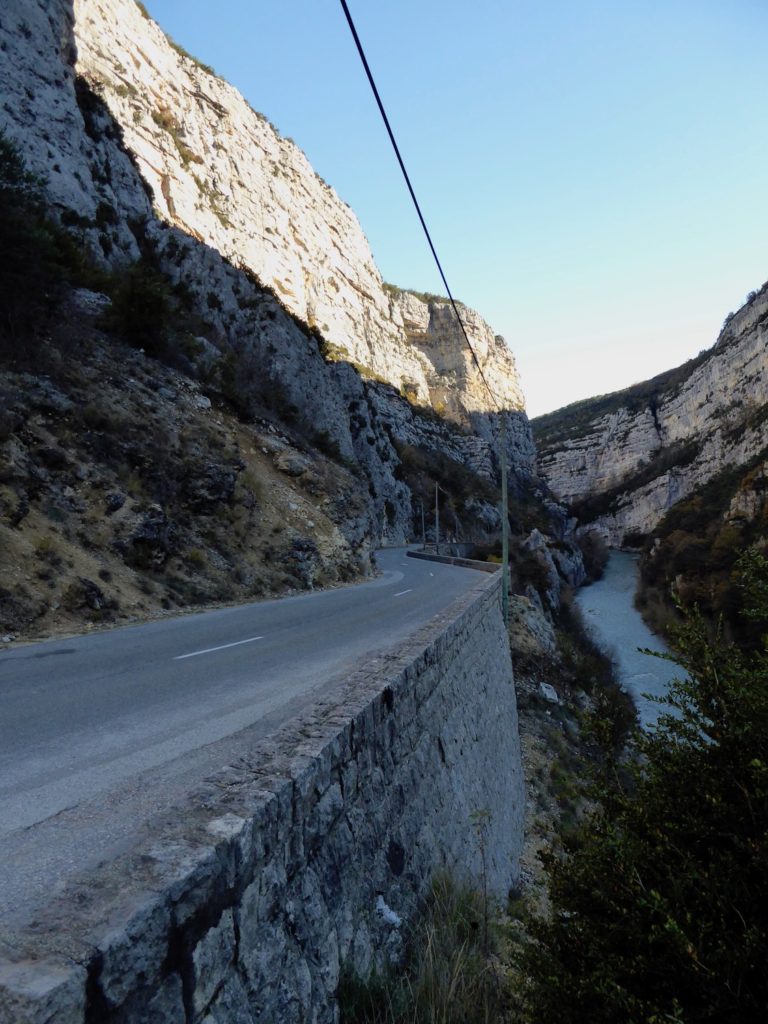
pixel 147 153
pixel 125 492
pixel 184 205
pixel 623 460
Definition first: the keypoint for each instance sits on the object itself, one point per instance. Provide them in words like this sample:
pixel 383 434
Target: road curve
pixel 99 733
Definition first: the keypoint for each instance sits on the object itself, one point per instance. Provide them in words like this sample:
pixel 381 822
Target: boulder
pixel 153 541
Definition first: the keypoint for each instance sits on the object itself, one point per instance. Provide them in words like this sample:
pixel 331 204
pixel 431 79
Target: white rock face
pixel 710 421
pixel 220 172
pixel 141 147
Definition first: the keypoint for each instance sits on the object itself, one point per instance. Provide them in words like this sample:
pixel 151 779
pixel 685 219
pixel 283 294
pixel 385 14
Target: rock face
pixel 217 170
pixel 622 460
pixel 145 150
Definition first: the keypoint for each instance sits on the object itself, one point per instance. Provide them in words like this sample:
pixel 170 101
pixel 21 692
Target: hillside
pixel 124 491
pixel 204 308
pixel 622 460
pixel 692 554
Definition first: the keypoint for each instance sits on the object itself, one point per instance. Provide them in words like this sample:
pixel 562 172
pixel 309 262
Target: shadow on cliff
pixel 262 359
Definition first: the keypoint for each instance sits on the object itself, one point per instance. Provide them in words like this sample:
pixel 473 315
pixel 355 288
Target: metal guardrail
pixel 468 563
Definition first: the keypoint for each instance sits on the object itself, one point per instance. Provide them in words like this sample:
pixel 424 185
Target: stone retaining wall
pixel 314 850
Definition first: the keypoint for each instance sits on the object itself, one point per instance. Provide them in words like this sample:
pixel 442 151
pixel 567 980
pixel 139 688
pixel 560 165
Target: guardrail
pixel 468 563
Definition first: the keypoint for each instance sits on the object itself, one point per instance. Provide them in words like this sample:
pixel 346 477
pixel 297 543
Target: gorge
pixel 272 310
pixel 220 402
pixel 211 401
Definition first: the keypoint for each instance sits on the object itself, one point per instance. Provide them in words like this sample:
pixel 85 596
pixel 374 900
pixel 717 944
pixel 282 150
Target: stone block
pixel 35 992
pixel 211 959
pixel 133 953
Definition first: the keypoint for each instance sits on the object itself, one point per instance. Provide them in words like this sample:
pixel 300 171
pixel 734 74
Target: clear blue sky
pixel 593 172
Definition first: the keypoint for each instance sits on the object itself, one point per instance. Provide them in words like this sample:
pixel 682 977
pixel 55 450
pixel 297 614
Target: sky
pixel 593 172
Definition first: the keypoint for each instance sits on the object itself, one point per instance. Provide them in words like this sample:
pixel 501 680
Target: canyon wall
pixel 313 852
pixel 622 460
pixel 187 151
pixel 144 151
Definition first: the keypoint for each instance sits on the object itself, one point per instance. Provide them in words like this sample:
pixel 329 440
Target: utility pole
pixel 504 524
pixel 423 528
pixel 437 520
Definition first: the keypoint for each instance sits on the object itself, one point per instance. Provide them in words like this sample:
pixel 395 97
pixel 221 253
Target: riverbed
pixel 612 619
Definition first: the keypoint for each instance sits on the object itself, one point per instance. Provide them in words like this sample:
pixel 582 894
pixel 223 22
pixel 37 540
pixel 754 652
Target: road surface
pixel 100 732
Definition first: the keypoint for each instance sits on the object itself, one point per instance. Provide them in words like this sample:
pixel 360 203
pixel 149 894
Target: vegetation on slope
pixel 426 297
pixel 692 555
pixel 553 429
pixel 126 486
pixel 659 905
pixel 674 456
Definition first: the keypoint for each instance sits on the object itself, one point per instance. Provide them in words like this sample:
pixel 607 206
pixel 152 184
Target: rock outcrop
pixel 147 151
pixel 623 460
pixel 218 170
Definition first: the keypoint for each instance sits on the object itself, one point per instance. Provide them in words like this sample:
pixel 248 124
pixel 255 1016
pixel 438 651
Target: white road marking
pixel 431 574
pixel 404 592
pixel 237 643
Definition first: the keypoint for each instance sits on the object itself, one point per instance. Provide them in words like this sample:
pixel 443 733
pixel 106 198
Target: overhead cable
pixel 396 148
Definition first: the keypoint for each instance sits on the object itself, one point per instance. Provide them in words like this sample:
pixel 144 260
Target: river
pixel 612 619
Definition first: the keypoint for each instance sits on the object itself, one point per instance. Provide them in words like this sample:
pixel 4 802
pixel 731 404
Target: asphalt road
pixel 99 732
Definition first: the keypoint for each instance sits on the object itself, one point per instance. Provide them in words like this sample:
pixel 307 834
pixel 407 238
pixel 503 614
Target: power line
pixel 503 440
pixel 396 148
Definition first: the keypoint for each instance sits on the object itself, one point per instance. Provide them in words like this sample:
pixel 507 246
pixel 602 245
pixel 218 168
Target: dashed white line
pixel 404 592
pixel 208 650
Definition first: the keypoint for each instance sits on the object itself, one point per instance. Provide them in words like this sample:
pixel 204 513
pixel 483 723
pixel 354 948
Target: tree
pixel 660 903
pixel 29 274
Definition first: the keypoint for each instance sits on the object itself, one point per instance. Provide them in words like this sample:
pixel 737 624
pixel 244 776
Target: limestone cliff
pixel 219 171
pixel 145 151
pixel 623 460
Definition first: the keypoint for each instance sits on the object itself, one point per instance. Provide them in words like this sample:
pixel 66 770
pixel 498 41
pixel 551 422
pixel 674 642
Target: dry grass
pixel 454 973
pixel 55 526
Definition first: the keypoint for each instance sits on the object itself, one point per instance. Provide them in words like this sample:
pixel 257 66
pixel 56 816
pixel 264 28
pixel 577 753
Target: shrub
pixel 659 904
pixel 164 119
pixel 594 552
pixel 30 273
pixel 141 310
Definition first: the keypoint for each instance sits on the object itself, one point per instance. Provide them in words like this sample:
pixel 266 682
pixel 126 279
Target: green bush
pixel 141 309
pixel 659 905
pixel 31 275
